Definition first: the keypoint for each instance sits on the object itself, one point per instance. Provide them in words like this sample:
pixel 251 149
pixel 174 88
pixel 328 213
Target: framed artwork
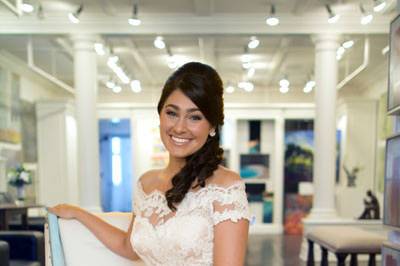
pixel 254 166
pixel 390 256
pixel 394 68
pixel 392 183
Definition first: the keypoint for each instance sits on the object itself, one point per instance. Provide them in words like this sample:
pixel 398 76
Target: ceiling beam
pixel 203 7
pixel 207 50
pixel 189 25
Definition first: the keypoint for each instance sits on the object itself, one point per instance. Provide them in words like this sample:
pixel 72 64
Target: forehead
pixel 179 99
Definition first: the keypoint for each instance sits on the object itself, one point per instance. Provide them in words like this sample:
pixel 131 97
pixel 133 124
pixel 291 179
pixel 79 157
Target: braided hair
pixel 203 86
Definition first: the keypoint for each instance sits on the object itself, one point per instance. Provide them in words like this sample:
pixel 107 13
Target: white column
pixel 85 82
pixel 326 69
pixel 3 174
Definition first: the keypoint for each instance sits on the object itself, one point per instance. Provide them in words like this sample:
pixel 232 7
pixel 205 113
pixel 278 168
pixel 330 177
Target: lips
pixel 179 141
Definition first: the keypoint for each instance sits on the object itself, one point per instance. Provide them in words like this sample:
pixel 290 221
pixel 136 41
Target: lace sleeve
pixel 230 203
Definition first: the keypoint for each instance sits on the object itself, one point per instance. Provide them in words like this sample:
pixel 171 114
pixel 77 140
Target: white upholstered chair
pixel 69 243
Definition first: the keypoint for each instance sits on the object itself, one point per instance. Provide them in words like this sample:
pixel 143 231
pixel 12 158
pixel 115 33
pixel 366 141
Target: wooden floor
pixel 278 250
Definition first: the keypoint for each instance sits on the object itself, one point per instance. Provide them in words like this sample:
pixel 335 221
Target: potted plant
pixel 18 177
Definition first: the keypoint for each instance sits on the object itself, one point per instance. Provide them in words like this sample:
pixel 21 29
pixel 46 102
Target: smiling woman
pixel 194 211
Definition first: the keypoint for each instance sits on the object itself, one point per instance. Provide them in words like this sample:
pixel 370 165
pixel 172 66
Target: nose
pixel 180 126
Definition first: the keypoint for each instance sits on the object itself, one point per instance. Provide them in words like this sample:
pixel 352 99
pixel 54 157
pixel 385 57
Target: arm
pixel 112 237
pixel 230 241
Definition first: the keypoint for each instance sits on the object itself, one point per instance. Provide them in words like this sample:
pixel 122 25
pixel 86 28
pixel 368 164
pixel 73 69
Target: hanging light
pixel 379 5
pixel 74 17
pixel 136 87
pixel 159 42
pixel 253 43
pixel 27 8
pixel 366 17
pixel 333 18
pixel 271 19
pixel 134 20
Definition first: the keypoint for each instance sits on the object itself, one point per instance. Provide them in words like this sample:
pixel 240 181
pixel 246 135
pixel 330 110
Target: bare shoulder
pixel 224 177
pixel 149 178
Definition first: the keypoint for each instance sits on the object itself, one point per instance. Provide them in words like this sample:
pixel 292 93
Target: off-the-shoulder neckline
pixel 236 183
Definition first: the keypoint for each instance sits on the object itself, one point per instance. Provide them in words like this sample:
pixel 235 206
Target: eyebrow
pixel 190 110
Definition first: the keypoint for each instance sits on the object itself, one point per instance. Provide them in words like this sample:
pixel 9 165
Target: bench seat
pixel 343 241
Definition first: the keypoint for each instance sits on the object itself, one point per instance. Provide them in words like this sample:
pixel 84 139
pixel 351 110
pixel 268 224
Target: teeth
pixel 179 140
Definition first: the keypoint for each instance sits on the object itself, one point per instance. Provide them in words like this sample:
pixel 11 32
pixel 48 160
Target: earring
pixel 212 133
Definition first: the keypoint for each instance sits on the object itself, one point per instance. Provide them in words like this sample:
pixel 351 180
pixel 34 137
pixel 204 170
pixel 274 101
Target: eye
pixel 171 113
pixel 195 117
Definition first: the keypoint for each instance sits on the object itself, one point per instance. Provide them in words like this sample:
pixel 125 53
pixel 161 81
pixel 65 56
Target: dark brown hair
pixel 203 86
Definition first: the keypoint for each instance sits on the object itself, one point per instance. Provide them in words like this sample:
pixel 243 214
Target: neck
pixel 174 166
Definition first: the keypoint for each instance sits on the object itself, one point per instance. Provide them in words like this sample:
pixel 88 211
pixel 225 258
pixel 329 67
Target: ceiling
pixel 212 31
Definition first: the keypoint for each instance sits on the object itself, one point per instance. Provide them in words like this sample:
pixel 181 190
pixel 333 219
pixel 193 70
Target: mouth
pixel 179 141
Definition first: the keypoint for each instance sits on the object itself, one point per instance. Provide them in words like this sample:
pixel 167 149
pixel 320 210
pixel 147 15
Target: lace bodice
pixel 184 237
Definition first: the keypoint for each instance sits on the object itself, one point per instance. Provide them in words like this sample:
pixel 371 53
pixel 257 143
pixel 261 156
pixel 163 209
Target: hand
pixel 65 211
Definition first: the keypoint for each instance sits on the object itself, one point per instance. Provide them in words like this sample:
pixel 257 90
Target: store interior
pixel 307 111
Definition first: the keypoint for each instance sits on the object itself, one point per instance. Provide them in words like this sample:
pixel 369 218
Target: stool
pixel 343 241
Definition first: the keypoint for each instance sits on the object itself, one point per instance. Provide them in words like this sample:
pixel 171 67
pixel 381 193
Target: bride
pixel 193 212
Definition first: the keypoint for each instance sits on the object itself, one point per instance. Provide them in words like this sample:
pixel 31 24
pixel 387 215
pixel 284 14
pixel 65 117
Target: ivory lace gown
pixel 185 237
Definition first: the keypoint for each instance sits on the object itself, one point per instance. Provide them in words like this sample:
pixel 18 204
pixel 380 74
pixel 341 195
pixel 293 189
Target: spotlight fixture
pixel 284 90
pixel 284 82
pixel 229 88
pixel 27 8
pixel 272 20
pixel 251 72
pixel 348 44
pixel 333 18
pixel 99 48
pixel 159 42
pixel 117 89
pixel 379 5
pixel 74 17
pixel 246 85
pixel 40 12
pixel 134 20
pixel 110 84
pixel 366 18
pixel 253 43
pixel 172 61
pixel 309 86
pixel 136 86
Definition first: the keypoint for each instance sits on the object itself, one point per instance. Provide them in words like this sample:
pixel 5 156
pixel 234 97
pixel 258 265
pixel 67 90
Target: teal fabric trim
pixel 57 252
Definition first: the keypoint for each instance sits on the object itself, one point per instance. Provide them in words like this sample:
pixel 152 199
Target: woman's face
pixel 183 127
